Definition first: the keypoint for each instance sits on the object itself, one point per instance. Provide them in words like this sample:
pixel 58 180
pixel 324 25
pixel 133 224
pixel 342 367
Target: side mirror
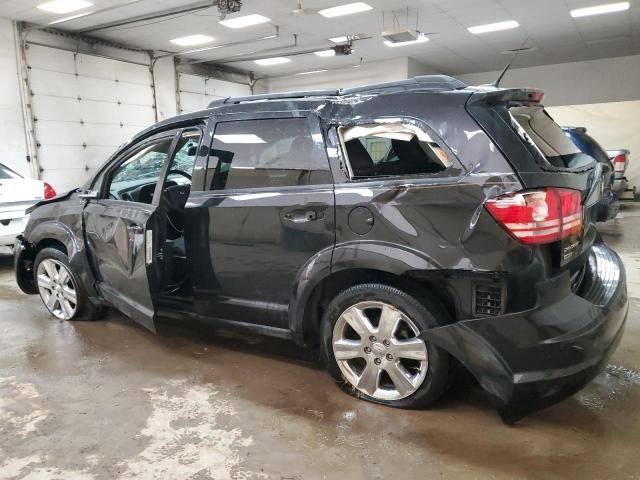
pixel 87 194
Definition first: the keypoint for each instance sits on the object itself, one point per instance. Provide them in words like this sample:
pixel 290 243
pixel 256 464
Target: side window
pixel 134 180
pixel 392 149
pixel 181 168
pixel 266 153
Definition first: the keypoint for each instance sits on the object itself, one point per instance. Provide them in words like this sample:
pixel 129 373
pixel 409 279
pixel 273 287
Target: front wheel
pixel 60 289
pixel 370 346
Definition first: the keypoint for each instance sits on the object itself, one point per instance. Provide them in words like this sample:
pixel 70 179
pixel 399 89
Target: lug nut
pixel 367 350
pixel 386 343
pixel 377 361
pixel 389 356
pixel 372 338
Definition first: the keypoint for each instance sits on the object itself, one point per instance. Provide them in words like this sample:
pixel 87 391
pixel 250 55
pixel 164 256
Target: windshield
pixel 546 138
pixel 6 173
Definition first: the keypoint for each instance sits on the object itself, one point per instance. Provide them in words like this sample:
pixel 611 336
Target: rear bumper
pixel 529 360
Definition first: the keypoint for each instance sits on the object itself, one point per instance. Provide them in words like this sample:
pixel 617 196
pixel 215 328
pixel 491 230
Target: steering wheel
pixel 179 172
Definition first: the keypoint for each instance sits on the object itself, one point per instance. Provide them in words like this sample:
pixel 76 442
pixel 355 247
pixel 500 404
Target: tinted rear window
pixel 545 137
pixel 6 173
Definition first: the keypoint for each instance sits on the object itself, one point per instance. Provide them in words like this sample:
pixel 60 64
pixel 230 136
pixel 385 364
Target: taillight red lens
pixel 49 191
pixel 539 216
pixel 619 162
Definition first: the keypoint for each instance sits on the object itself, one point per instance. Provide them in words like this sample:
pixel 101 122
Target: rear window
pixel 6 173
pixel 545 138
pixel 587 144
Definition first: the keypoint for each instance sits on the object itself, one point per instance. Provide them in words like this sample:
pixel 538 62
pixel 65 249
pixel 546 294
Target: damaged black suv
pixel 403 228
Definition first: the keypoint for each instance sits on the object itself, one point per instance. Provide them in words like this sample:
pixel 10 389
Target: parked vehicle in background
pixel 17 194
pixel 402 228
pixel 620 160
pixel 609 204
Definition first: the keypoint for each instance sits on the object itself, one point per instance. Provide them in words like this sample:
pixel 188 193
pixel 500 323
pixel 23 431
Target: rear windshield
pixel 545 138
pixel 587 144
pixel 6 173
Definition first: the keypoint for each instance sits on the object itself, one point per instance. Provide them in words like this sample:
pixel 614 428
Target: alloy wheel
pixel 57 289
pixel 377 349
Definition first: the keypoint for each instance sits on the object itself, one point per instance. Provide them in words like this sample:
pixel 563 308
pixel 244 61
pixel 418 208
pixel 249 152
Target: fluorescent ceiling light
pixel 246 21
pixel 192 40
pixel 64 6
pixel 272 61
pixel 420 39
pixel 600 9
pixel 239 138
pixel 346 9
pixel 72 17
pixel 494 27
pixel 312 71
pixel 339 39
pixel 326 53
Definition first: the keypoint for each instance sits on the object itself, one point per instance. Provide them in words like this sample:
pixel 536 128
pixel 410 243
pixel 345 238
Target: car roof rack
pixel 424 82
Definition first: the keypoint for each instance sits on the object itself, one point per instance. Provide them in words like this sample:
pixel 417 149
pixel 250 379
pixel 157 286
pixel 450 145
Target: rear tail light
pixel 619 162
pixel 539 216
pixel 49 192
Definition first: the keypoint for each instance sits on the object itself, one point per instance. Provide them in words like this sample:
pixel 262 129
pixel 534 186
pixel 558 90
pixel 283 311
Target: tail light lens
pixel 619 162
pixel 49 191
pixel 539 216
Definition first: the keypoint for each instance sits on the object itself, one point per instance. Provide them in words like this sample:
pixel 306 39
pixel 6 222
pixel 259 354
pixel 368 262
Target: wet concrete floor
pixel 104 400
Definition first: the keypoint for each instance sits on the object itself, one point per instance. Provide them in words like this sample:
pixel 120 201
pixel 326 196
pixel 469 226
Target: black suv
pixel 404 228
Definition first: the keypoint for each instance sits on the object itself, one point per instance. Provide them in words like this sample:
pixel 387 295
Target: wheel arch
pixel 359 263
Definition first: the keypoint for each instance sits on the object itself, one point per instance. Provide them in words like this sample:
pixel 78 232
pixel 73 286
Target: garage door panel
pixel 56 108
pixel 190 102
pixel 44 82
pixel 63 156
pixel 45 58
pixel 192 83
pixel 137 115
pixel 90 66
pixel 197 92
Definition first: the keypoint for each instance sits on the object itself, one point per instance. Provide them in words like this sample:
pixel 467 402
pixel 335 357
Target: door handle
pixel 302 216
pixel 135 228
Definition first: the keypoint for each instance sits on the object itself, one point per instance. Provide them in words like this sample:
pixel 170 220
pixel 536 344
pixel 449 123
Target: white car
pixel 16 195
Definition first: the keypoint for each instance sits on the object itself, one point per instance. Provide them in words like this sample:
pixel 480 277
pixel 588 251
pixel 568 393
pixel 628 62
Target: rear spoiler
pixel 511 96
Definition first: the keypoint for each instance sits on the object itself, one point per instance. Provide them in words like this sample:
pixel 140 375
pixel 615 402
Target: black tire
pixel 425 314
pixel 85 310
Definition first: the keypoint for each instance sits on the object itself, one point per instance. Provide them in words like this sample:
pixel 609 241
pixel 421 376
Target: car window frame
pixel 164 174
pixel 132 149
pixel 453 171
pixel 316 135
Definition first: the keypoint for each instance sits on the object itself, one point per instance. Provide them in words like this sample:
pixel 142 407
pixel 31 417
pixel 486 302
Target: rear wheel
pixel 370 345
pixel 60 289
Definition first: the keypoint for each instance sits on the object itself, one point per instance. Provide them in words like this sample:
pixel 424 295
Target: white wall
pixel 576 83
pixel 13 150
pixel 164 75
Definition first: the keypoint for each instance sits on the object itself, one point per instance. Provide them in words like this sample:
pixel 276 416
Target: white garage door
pixel 196 92
pixel 84 107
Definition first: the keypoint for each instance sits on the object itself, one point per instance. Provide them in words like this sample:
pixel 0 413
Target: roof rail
pixel 428 82
pixel 275 96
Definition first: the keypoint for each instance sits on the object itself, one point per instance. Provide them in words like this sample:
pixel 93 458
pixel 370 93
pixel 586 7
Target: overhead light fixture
pixel 239 138
pixel 64 6
pixel 346 9
pixel 311 72
pixel 192 40
pixel 246 21
pixel 265 62
pixel 420 39
pixel 72 17
pixel 600 9
pixel 339 39
pixel 494 27
pixel 326 53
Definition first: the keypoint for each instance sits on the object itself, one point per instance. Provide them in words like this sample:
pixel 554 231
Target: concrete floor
pixel 103 400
